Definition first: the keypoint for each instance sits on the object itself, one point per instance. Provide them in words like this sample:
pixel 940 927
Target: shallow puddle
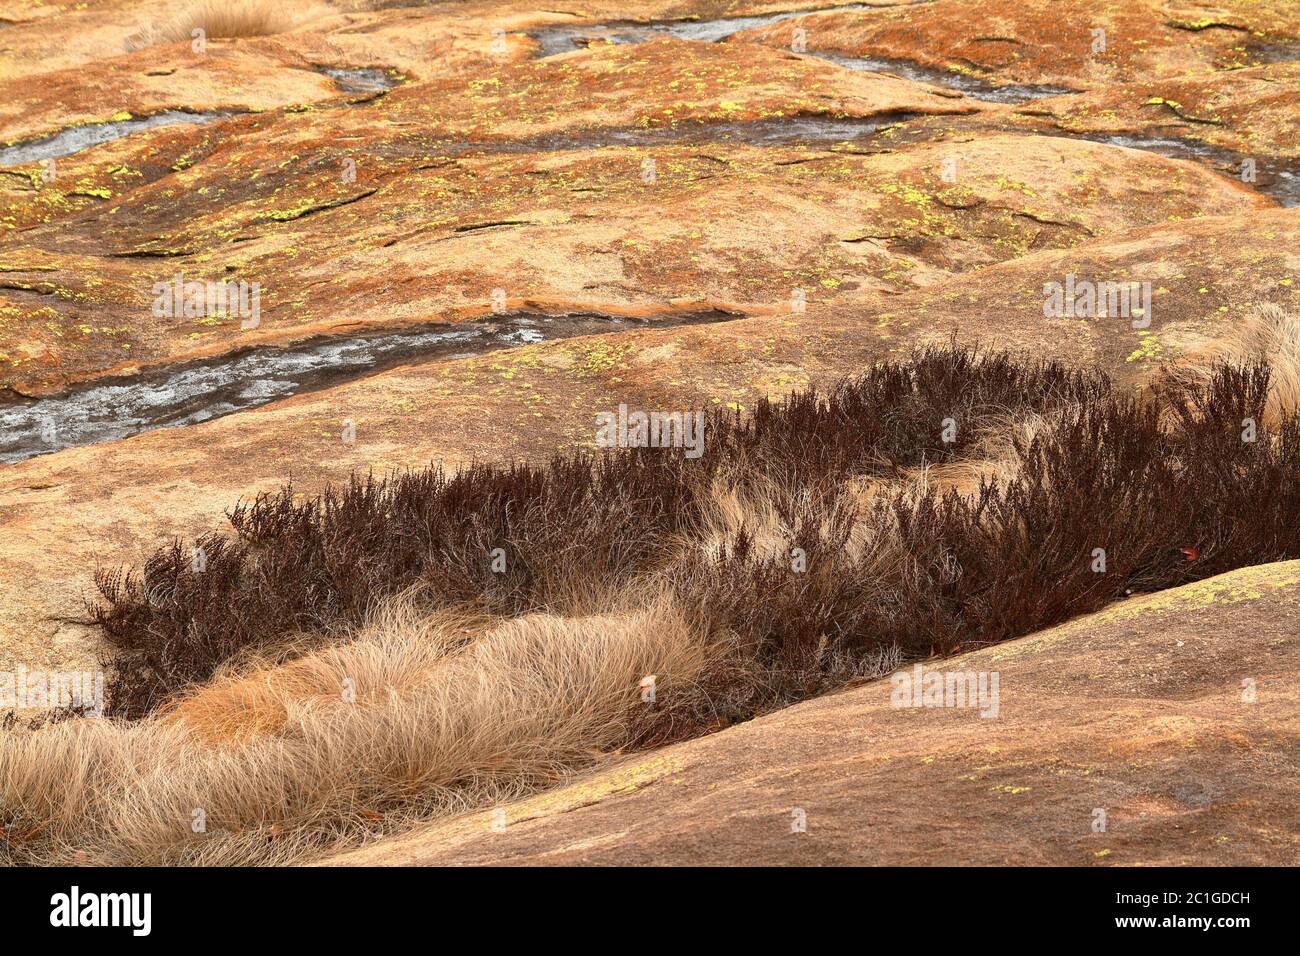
pixel 365 79
pixel 970 85
pixel 1282 182
pixel 1275 53
pixel 567 38
pixel 769 132
pixel 76 138
pixel 199 391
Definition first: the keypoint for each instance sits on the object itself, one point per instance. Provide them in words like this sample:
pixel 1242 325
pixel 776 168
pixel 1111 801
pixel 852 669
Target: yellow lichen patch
pixel 1149 348
pixel 596 358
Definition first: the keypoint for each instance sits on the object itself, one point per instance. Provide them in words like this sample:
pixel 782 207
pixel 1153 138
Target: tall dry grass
pixel 231 19
pixel 421 713
pixel 1270 335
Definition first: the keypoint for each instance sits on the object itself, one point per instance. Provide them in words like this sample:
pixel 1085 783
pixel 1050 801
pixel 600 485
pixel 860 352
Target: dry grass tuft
pixel 994 457
pixel 231 19
pixel 1270 335
pixel 419 713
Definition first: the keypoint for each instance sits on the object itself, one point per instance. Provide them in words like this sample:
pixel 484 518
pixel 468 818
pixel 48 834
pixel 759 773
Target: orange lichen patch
pixel 660 84
pixel 418 238
pixel 1037 41
pixel 657 86
pixel 1202 277
pixel 122 53
pixel 1249 111
pixel 348 35
pixel 226 77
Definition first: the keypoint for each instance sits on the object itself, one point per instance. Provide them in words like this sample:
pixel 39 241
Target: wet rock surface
pixel 423 237
pixel 198 391
pixel 1082 44
pixel 1240 122
pixel 76 138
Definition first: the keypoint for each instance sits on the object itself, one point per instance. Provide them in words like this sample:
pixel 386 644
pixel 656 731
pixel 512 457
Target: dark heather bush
pixel 1167 506
pixel 1168 503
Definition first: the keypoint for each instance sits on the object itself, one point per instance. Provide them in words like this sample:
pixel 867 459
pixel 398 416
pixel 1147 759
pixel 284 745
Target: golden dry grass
pixel 993 457
pixel 231 19
pixel 758 508
pixel 419 714
pixel 1270 334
